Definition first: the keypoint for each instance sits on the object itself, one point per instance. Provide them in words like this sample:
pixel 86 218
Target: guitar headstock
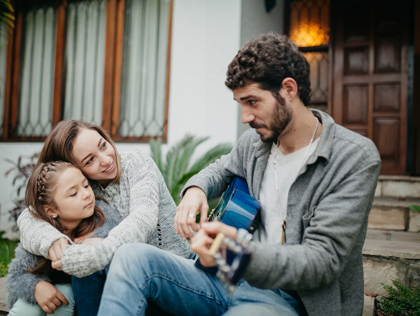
pixel 232 257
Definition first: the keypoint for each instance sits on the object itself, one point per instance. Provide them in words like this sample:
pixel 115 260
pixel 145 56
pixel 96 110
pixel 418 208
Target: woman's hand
pixel 56 250
pixel 194 201
pixel 48 297
pixel 80 239
pixel 203 240
pixel 92 241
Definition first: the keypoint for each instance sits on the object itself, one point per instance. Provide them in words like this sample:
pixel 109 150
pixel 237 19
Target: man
pixel 315 181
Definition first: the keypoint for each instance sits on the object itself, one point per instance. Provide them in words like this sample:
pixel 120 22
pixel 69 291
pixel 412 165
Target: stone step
pixel 391 213
pixel 398 187
pixel 389 255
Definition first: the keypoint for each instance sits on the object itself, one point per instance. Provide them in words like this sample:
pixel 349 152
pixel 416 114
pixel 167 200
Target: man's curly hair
pixel 268 60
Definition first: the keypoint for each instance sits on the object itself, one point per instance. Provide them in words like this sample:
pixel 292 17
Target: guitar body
pixel 236 208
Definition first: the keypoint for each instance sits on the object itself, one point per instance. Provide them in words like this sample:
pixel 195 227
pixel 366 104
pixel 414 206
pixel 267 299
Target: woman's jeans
pixel 24 308
pixel 140 273
pixel 88 291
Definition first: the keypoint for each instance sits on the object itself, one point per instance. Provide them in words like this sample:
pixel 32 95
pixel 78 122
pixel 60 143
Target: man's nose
pixel 246 115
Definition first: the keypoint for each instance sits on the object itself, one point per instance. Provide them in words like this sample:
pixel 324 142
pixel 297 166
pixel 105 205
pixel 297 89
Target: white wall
pixel 205 38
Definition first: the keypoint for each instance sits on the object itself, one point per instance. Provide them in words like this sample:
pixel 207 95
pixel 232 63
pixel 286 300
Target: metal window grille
pixel 309 29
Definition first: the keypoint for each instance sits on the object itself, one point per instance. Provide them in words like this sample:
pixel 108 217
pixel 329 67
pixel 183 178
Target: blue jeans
pixel 88 291
pixel 140 273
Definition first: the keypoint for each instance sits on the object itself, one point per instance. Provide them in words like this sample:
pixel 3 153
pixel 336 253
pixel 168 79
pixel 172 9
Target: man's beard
pixel 282 116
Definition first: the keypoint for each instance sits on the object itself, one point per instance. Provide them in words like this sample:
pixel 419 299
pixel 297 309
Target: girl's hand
pixel 56 250
pixel 194 201
pixel 48 297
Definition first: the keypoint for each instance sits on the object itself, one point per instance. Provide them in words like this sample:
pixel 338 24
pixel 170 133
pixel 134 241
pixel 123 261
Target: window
pixel 103 61
pixel 309 28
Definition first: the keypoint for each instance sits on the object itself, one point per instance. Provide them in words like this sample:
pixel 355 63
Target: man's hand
pixel 48 297
pixel 202 241
pixel 194 201
pixel 56 250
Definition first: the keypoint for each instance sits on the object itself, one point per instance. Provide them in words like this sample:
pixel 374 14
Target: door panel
pixel 370 69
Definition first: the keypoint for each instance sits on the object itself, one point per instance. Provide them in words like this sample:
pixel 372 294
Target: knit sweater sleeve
pixel 36 235
pixel 20 283
pixel 140 177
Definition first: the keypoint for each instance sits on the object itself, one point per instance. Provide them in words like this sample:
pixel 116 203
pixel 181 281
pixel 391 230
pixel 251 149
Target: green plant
pixel 414 207
pixel 7 252
pixel 6 14
pixel 177 167
pixel 22 170
pixel 401 300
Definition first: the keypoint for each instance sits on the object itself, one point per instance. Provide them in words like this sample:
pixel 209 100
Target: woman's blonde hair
pixel 59 144
pixel 40 191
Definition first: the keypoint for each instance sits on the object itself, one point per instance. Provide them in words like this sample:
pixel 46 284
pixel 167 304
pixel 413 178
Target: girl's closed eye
pixel 73 194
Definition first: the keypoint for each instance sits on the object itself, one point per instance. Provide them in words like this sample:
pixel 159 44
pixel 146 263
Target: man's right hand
pixel 56 250
pixel 194 201
pixel 48 297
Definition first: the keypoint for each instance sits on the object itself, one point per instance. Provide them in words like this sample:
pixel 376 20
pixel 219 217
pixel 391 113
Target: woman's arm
pixel 37 236
pixel 143 191
pixel 20 283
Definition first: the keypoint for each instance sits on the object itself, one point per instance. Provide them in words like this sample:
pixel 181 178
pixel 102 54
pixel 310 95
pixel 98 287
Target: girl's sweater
pixel 147 208
pixel 20 283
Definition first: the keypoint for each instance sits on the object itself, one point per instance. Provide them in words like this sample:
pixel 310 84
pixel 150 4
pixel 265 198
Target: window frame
pixel 112 73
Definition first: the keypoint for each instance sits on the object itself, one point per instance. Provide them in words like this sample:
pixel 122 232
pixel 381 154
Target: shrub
pixel 401 300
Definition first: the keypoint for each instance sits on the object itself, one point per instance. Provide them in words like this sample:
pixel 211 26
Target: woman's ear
pixel 50 211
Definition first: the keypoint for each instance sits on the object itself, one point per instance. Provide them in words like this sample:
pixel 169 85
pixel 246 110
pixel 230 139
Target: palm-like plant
pixel 6 14
pixel 178 168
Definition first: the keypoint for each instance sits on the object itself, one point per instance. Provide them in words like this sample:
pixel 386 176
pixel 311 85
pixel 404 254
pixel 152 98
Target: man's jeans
pixel 88 291
pixel 140 272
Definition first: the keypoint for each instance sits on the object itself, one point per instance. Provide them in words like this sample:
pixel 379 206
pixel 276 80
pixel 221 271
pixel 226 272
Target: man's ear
pixel 50 211
pixel 290 88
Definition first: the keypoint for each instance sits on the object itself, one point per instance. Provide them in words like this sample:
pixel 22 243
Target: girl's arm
pixel 144 198
pixel 37 236
pixel 20 283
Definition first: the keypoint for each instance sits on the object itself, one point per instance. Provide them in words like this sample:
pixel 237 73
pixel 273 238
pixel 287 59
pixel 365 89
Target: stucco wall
pixel 205 38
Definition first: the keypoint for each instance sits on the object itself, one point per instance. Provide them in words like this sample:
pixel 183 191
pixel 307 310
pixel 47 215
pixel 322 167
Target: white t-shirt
pixel 274 196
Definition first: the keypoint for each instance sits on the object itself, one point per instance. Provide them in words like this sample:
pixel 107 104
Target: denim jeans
pixel 24 308
pixel 140 273
pixel 88 291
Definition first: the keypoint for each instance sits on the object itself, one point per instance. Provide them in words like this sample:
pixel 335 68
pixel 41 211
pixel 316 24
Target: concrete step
pixel 398 187
pixel 389 255
pixel 391 213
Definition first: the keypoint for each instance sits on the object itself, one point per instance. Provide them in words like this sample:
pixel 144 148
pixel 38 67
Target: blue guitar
pixel 236 208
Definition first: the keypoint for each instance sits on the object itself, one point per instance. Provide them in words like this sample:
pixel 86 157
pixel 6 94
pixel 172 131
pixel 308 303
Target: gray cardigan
pixel 327 215
pixel 20 283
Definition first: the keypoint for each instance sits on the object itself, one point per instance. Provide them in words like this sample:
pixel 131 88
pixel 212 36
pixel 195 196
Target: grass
pixel 7 252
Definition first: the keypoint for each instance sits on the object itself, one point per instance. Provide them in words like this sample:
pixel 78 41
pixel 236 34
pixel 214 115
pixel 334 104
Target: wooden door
pixel 370 74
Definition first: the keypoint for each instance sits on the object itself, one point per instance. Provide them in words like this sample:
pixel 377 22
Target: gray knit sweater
pixel 147 208
pixel 20 283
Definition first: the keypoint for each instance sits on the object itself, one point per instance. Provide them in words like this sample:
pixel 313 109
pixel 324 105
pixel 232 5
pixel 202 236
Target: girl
pixel 131 183
pixel 59 194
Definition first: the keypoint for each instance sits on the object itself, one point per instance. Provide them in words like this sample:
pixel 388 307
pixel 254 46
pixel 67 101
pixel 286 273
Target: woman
pixel 132 184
